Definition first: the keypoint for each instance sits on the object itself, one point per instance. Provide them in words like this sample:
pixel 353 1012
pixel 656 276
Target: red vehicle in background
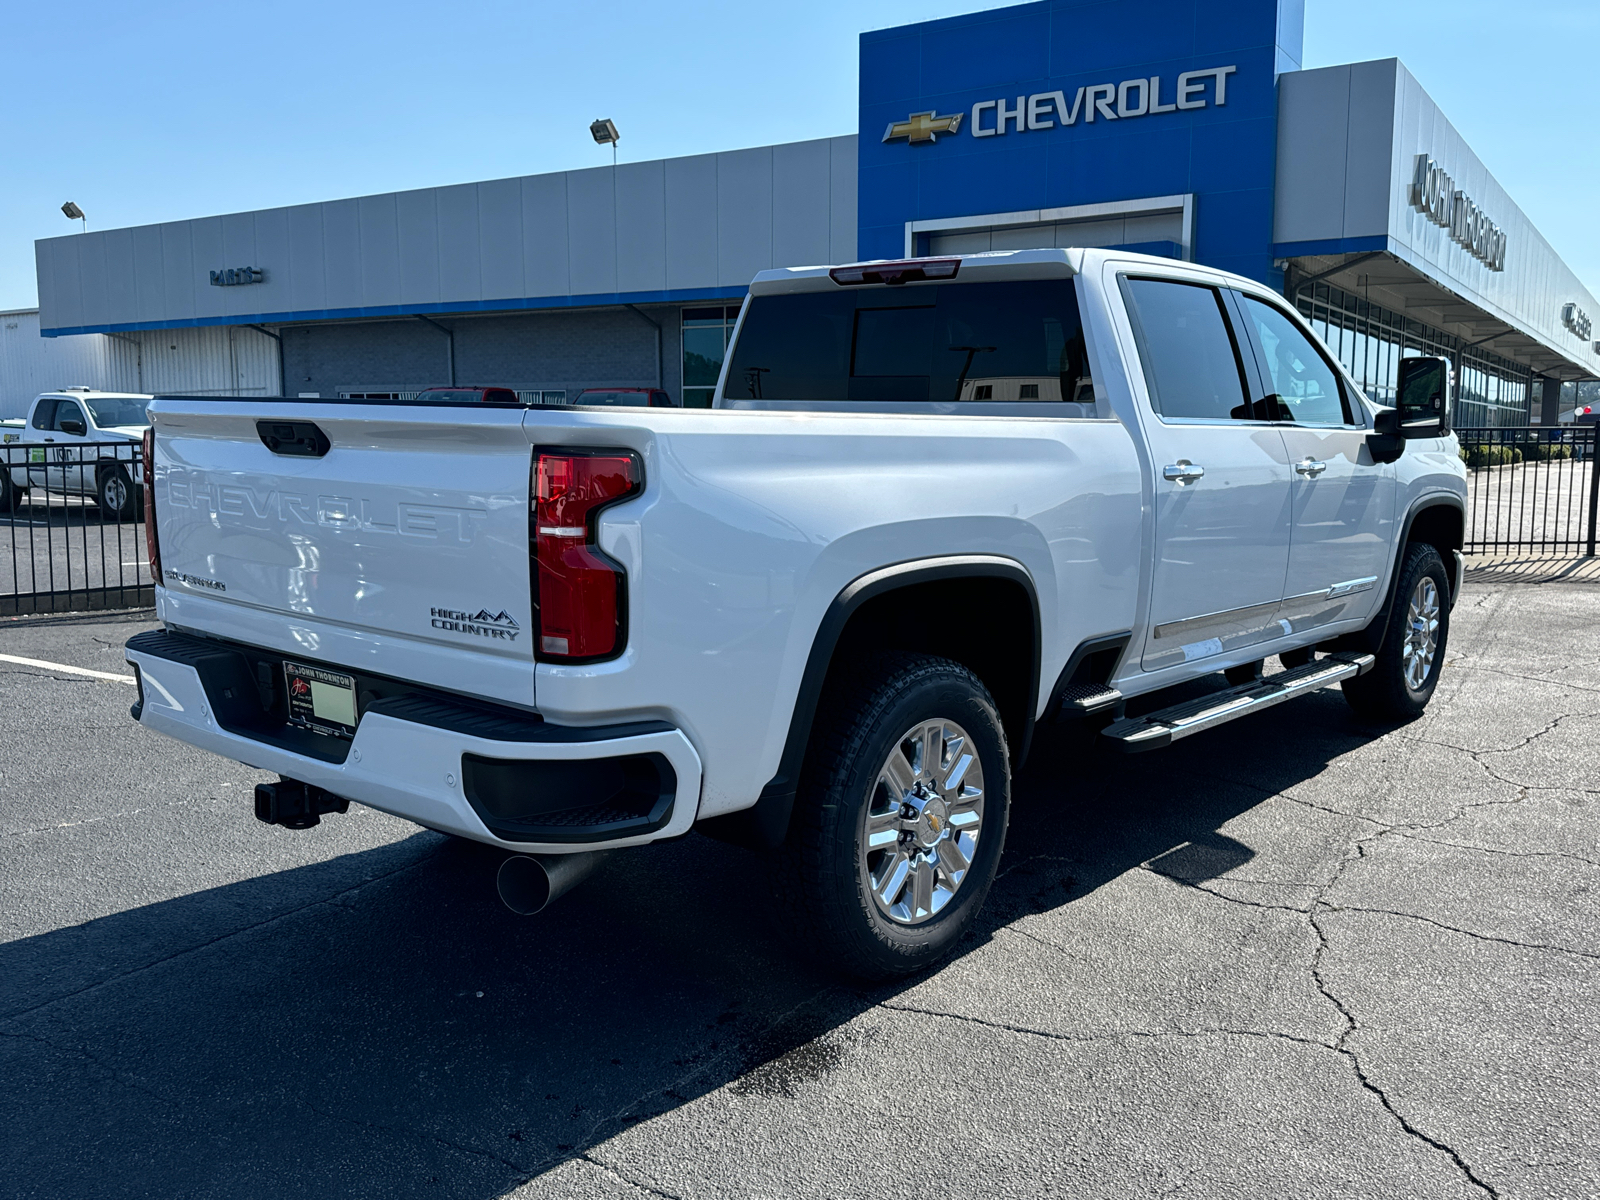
pixel 636 397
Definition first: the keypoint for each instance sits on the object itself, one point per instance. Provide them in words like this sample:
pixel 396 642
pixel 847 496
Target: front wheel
pixel 1406 672
pixel 900 817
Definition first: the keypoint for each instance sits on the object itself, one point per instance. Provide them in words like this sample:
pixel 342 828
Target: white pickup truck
pixel 935 503
pixel 77 441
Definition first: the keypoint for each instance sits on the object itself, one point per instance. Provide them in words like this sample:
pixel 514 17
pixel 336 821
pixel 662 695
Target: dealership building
pixel 1181 128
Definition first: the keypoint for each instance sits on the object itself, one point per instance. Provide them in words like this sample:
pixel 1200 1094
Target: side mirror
pixel 1385 441
pixel 72 425
pixel 1423 397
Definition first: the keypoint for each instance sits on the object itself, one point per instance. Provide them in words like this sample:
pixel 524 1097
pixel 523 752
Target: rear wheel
pixel 1402 679
pixel 900 819
pixel 1248 672
pixel 114 492
pixel 10 494
pixel 1297 658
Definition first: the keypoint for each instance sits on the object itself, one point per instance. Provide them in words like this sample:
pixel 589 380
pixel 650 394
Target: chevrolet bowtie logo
pixel 923 127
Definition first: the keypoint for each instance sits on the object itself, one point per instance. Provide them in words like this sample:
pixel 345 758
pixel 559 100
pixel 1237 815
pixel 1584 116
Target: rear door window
pixel 1019 341
pixel 44 415
pixel 1192 364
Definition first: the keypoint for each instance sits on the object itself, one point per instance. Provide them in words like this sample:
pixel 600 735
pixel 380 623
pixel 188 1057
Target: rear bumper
pixel 418 764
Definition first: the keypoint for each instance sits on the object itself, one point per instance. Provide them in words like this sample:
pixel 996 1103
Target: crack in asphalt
pixel 117 1076
pixel 1522 745
pixel 1342 1047
pixel 1201 887
pixel 1482 937
pixel 132 812
pixel 1577 687
pixel 1412 837
pixel 1114 1035
pixel 1356 852
pixel 362 1123
pixel 648 1189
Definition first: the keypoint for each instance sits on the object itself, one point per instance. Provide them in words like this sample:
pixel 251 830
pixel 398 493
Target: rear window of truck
pixel 1008 342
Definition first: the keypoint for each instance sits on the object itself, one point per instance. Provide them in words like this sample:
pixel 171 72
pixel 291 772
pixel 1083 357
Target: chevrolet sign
pixel 923 127
pixel 1048 110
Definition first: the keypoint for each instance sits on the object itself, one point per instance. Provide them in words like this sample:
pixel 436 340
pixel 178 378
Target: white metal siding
pixel 214 361
pixel 30 364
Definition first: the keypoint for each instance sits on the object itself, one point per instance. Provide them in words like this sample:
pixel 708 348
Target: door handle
pixel 1183 471
pixel 1310 467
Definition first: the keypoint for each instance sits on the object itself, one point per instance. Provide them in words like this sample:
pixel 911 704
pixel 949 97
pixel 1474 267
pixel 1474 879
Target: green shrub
pixel 1478 457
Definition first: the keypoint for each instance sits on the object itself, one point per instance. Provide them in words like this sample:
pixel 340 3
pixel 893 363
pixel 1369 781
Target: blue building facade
pixel 1066 104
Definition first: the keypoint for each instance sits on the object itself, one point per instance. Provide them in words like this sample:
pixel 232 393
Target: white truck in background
pixel 936 502
pixel 78 441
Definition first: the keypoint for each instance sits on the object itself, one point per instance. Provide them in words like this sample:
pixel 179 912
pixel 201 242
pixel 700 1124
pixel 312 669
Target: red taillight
pixel 579 593
pixel 152 545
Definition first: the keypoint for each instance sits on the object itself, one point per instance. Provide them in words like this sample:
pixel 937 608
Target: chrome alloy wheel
pixel 1422 633
pixel 922 824
pixel 116 493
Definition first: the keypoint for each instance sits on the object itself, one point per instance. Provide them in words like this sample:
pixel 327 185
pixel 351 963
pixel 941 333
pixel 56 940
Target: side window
pixel 1191 360
pixel 68 410
pixel 44 417
pixel 1302 377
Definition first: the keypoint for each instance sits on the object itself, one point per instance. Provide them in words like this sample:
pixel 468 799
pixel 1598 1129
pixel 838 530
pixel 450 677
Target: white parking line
pixel 50 666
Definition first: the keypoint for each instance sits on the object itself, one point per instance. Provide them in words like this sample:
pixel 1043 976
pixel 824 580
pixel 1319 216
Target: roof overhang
pixel 1384 278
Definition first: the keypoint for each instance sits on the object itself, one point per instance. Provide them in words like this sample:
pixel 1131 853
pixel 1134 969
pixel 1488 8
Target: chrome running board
pixel 1155 730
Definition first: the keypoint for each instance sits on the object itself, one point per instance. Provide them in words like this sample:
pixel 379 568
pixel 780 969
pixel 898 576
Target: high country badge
pixel 482 623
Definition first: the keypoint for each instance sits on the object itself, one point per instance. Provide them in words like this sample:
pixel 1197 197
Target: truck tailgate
pixel 411 530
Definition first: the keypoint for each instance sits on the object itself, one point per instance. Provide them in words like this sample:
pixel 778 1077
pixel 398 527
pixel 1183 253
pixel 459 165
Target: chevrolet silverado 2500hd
pixel 935 502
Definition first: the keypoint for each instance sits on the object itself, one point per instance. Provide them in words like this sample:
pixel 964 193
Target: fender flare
pixel 766 823
pixel 1370 638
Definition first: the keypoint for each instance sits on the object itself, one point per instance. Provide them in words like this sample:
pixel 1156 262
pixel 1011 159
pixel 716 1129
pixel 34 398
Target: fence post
pixel 1594 483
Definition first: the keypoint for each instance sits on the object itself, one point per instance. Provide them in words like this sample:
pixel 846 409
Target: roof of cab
pixel 990 266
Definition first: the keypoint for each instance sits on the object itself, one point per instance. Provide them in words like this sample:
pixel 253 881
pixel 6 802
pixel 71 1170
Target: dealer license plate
pixel 322 701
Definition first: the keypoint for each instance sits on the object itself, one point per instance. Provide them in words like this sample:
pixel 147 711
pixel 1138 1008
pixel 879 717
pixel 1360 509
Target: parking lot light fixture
pixel 74 213
pixel 604 132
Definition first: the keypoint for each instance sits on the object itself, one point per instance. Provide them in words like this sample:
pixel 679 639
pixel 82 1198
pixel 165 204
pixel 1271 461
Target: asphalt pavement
pixel 1294 957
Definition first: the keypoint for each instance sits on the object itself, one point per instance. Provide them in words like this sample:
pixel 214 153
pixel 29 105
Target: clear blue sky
pixel 171 109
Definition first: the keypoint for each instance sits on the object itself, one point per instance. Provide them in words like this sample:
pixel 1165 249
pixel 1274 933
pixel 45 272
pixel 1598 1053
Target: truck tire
pixel 1290 659
pixel 1408 662
pixel 114 492
pixel 900 817
pixel 10 494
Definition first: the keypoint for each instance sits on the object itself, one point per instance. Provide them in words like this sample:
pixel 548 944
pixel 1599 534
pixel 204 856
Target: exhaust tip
pixel 523 884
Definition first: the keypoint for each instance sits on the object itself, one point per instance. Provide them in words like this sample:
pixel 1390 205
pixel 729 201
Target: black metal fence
pixel 72 520
pixel 1531 490
pixel 72 515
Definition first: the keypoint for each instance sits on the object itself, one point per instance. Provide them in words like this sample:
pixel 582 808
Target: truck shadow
pixel 378 1025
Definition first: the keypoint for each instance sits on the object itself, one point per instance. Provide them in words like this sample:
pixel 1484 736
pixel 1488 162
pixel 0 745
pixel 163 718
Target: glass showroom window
pixel 705 343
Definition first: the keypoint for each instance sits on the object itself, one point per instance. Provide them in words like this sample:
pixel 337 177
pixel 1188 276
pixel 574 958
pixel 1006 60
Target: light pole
pixel 74 213
pixel 604 132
